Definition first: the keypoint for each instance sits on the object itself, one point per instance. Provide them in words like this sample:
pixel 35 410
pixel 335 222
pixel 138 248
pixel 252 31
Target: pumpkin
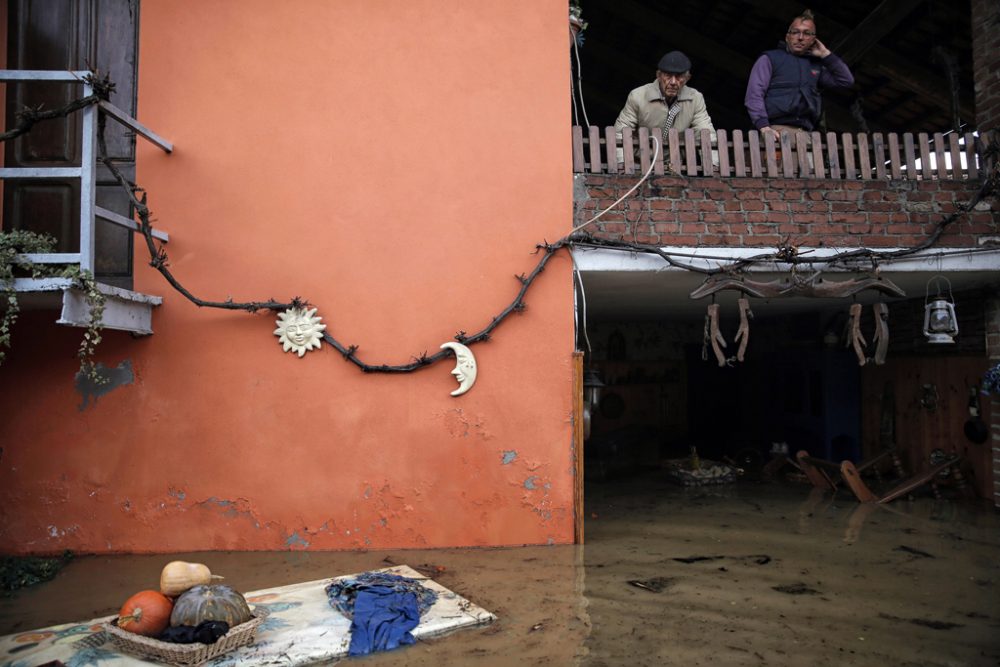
pixel 146 613
pixel 178 576
pixel 210 602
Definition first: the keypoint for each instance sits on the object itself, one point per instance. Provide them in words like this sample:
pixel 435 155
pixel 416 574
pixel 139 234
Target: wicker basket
pixel 183 654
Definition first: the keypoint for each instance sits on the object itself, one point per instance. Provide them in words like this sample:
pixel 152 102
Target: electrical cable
pixel 572 86
pixel 652 163
pixel 579 80
pixel 583 305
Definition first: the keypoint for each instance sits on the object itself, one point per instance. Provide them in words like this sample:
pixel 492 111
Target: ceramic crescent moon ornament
pixel 465 367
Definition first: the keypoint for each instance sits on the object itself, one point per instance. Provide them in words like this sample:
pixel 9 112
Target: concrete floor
pixel 786 577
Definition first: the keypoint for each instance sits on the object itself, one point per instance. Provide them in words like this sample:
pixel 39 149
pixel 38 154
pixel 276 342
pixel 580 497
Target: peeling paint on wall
pixel 112 379
pixel 55 532
pixel 508 457
pixel 461 425
pixel 295 539
pixel 531 483
pixel 231 509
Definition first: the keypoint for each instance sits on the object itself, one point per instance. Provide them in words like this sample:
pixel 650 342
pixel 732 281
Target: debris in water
pixel 915 552
pixel 429 570
pixel 655 585
pixel 759 559
pixel 934 625
pixel 796 589
pixel 754 505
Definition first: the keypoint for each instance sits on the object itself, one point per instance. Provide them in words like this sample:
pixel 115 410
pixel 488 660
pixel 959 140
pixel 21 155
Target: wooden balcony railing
pixel 742 154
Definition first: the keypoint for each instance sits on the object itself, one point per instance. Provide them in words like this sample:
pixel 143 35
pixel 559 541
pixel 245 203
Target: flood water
pixel 769 574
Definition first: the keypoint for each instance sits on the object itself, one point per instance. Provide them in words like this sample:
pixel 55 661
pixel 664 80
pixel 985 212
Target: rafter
pixel 880 22
pixel 686 39
pixel 927 85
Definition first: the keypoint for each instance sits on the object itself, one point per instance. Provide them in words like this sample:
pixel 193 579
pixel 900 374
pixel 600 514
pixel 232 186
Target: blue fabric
pixel 793 94
pixel 383 608
pixel 342 592
pixel 383 618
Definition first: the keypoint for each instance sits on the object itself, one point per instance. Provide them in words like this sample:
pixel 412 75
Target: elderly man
pixel 783 90
pixel 667 102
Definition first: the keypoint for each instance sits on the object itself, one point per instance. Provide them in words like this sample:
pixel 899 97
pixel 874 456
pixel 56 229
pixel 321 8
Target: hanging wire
pixel 579 80
pixel 652 163
pixel 580 315
pixel 572 94
pixel 572 85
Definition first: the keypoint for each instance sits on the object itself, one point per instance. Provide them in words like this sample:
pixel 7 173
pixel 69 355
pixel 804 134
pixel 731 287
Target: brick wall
pixel 745 212
pixel 986 62
pixel 986 73
pixel 992 308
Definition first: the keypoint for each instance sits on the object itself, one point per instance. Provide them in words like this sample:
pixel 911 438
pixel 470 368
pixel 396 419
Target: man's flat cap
pixel 674 62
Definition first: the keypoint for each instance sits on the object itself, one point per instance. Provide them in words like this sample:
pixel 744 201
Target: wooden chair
pixel 930 476
pixel 824 474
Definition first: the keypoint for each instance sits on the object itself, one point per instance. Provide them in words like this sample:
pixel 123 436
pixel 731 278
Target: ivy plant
pixel 21 241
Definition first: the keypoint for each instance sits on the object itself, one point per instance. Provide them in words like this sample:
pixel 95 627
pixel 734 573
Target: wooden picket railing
pixel 797 155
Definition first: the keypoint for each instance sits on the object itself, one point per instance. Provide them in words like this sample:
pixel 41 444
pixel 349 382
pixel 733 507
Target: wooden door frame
pixel 578 517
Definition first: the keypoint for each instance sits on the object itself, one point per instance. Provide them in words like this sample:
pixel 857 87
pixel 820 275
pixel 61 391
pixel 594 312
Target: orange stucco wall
pixel 394 163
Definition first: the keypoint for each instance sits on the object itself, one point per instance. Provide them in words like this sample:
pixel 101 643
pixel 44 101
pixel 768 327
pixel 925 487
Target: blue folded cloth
pixel 382 621
pixel 383 608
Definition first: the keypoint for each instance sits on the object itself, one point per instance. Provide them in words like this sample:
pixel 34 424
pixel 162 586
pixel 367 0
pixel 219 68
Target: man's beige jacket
pixel 646 107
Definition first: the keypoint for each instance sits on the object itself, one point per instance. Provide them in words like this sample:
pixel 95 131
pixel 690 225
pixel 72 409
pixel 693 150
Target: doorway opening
pixel 665 400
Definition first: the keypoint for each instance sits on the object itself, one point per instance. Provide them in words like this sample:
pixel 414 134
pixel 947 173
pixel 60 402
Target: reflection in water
pixel 811 505
pixel 769 574
pixel 857 519
pixel 910 583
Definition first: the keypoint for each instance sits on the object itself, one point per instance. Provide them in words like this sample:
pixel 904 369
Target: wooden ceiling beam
pixel 873 28
pixel 685 38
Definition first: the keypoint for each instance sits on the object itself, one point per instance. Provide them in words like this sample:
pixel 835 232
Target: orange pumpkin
pixel 146 613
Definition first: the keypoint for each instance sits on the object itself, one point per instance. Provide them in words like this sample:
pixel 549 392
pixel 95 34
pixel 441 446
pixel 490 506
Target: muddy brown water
pixel 747 574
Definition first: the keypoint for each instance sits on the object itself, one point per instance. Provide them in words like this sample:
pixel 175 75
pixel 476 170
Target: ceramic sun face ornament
pixel 465 367
pixel 299 330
